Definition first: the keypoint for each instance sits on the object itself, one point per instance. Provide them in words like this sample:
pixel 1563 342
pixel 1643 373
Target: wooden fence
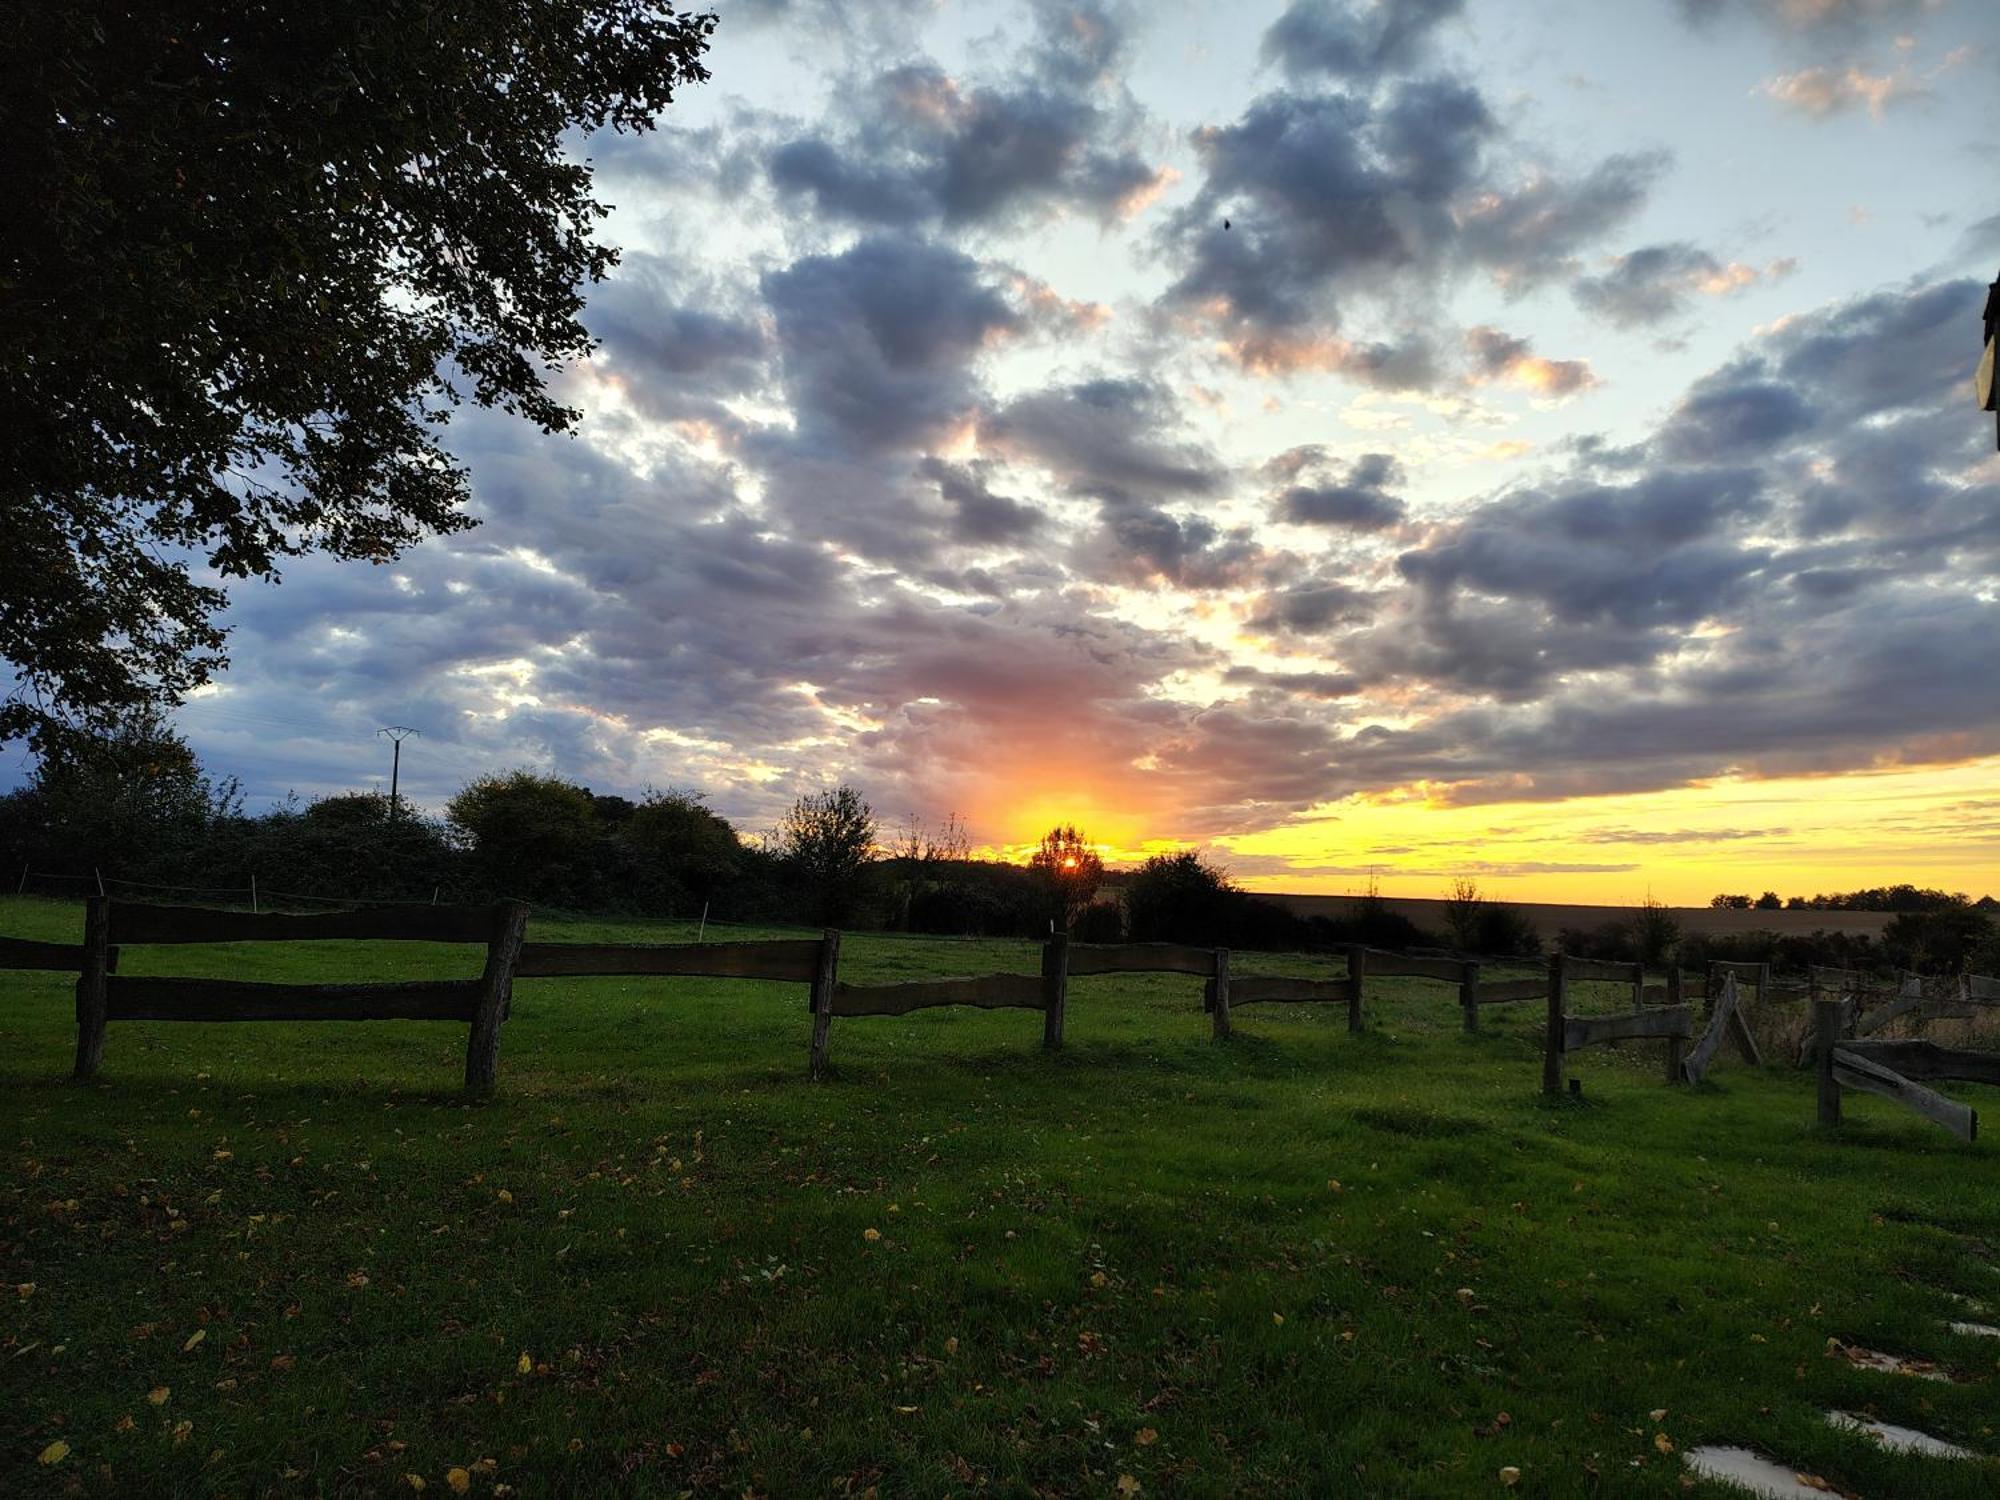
pixel 103 996
pixel 1670 1018
pixel 1659 1011
pixel 1893 1069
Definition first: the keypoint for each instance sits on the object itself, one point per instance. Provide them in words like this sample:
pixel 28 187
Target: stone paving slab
pixel 1897 1439
pixel 1752 1473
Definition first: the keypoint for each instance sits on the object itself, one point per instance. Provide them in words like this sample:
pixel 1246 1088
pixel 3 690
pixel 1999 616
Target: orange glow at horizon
pixel 1801 835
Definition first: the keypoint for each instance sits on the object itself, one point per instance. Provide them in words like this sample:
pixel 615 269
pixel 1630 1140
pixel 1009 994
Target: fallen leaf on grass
pixel 415 1482
pixel 459 1480
pixel 871 1235
pixel 1145 1437
pixel 194 1338
pixel 1127 1485
pixel 524 1365
pixel 158 1394
pixel 55 1453
pixel 1510 1475
pixel 1664 1443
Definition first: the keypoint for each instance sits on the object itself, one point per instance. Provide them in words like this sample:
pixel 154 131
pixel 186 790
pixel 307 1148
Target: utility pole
pixel 395 734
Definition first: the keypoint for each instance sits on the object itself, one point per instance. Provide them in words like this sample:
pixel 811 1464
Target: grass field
pixel 291 1260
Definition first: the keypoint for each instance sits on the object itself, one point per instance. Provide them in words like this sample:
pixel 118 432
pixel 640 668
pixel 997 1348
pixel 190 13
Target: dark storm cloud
pixel 1355 40
pixel 918 145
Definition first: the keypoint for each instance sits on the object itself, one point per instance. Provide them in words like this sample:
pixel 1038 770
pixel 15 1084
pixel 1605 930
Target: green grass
pixel 1124 1260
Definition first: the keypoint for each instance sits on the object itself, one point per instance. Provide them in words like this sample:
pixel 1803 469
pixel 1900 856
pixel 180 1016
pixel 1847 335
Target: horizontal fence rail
pixel 1640 1025
pixel 29 953
pixel 1927 1060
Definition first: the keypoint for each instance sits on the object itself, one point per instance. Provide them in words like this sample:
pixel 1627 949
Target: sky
pixel 1396 441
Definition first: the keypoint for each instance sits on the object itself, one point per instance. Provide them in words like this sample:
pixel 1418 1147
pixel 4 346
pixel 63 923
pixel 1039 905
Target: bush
pixel 1178 898
pixel 1505 932
pixel 1099 922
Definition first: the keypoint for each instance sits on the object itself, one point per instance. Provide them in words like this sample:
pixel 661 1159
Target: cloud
pixel 1359 40
pixel 1115 440
pixel 1314 205
pixel 1357 498
pixel 1506 358
pixel 916 145
pixel 1822 92
pixel 1656 282
pixel 877 343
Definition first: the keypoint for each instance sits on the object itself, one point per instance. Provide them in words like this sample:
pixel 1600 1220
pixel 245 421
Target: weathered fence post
pixel 1220 993
pixel 1676 1046
pixel 823 981
pixel 1357 976
pixel 1055 989
pixel 1552 1037
pixel 1468 996
pixel 496 996
pixel 1763 986
pixel 1826 1035
pixel 90 988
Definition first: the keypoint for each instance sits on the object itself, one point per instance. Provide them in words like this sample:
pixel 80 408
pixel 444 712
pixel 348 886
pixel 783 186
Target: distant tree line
pixel 1895 898
pixel 136 805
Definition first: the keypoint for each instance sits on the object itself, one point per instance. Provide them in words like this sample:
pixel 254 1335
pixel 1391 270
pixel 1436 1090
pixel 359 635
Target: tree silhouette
pixel 1070 870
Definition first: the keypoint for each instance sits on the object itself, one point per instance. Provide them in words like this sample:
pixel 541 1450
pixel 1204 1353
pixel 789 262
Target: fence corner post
pixel 1552 1038
pixel 825 977
pixel 1468 996
pixel 90 996
pixel 1219 990
pixel 1826 1036
pixel 496 996
pixel 1357 977
pixel 1676 1046
pixel 1055 989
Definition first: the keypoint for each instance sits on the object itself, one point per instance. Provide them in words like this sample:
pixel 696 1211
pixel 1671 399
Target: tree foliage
pixel 253 257
pixel 828 840
pixel 1464 908
pixel 95 799
pixel 1178 898
pixel 1070 872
